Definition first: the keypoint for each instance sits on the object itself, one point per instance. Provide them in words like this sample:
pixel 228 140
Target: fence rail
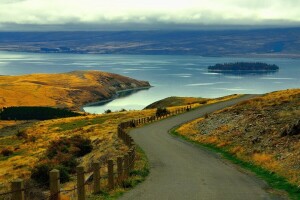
pixel 124 165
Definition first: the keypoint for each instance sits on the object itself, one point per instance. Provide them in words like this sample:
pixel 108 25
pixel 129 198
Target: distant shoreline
pixel 288 56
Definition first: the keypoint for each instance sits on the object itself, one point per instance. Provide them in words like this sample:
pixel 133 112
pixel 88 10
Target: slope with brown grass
pixel 196 101
pixel 263 131
pixel 65 90
pixel 29 147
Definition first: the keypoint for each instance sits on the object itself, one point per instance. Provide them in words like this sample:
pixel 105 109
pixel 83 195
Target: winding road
pixel 180 170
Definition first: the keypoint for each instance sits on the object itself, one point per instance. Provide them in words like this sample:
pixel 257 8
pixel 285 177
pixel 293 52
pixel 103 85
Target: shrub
pixel 61 155
pixel 107 111
pixel 6 152
pixel 21 134
pixel 206 115
pixel 161 112
pixel 40 173
pixel 63 173
pixel 84 145
pixel 76 145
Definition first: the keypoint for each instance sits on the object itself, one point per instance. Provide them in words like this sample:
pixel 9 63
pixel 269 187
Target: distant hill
pixel 183 101
pixel 261 42
pixel 176 101
pixel 65 90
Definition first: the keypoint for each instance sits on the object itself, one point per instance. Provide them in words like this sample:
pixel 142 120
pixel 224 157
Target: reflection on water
pixel 119 95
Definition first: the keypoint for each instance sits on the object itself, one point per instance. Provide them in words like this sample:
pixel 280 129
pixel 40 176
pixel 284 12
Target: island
pixel 69 90
pixel 244 66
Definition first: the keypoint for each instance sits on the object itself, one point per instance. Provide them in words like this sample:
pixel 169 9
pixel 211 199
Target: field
pixel 264 132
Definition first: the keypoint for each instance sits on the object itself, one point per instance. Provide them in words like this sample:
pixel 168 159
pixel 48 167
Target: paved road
pixel 179 170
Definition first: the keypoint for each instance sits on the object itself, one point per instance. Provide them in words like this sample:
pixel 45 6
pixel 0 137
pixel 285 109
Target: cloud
pixel 188 12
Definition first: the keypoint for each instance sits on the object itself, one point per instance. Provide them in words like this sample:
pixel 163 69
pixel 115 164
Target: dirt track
pixel 179 170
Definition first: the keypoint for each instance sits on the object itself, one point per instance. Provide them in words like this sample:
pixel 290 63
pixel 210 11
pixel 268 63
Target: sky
pixel 145 14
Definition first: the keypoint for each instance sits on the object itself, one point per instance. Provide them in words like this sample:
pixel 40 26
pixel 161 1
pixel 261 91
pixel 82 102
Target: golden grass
pixel 5 123
pixel 195 101
pixel 70 90
pixel 101 129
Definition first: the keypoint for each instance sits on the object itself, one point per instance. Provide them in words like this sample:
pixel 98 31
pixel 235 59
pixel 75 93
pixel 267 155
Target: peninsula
pixel 65 90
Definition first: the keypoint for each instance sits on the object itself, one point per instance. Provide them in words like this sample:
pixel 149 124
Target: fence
pixel 124 165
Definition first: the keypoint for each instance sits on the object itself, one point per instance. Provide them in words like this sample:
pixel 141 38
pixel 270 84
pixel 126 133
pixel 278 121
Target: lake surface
pixel 171 75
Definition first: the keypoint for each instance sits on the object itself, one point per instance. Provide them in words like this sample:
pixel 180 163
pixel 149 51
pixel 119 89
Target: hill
pixel 263 131
pixel 66 90
pixel 179 101
pixel 264 42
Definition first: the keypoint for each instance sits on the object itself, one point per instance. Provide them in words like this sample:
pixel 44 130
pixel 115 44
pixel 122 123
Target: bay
pixel 170 75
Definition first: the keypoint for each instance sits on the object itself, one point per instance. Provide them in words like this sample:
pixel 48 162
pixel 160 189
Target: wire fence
pixel 89 181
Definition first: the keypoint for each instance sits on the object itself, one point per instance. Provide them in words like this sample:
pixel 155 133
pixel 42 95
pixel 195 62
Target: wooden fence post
pixel 96 176
pixel 110 169
pixel 54 185
pixel 17 187
pixel 120 169
pixel 131 159
pixel 80 183
pixel 126 165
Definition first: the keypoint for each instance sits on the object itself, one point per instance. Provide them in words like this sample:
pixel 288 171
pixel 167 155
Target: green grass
pixel 10 141
pixel 275 181
pixel 79 123
pixel 136 176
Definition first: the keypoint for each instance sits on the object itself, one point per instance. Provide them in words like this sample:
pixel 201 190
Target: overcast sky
pixel 130 14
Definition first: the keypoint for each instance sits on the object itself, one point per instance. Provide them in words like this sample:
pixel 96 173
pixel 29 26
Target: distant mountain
pixel 263 42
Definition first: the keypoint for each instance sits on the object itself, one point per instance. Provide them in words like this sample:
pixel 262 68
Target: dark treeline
pixel 244 66
pixel 34 113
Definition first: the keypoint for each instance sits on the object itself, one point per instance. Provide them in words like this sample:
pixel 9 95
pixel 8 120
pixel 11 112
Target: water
pixel 171 75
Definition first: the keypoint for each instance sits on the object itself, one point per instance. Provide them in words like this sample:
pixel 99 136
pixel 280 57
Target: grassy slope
pixel 70 90
pixel 178 101
pixel 250 134
pixel 101 129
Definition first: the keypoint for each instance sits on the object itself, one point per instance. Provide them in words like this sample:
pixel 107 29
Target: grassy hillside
pixel 28 146
pixel 264 131
pixel 178 101
pixel 66 90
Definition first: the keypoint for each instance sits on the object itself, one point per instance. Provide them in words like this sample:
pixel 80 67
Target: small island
pixel 244 66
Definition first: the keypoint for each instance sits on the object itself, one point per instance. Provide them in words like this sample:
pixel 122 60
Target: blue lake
pixel 171 75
